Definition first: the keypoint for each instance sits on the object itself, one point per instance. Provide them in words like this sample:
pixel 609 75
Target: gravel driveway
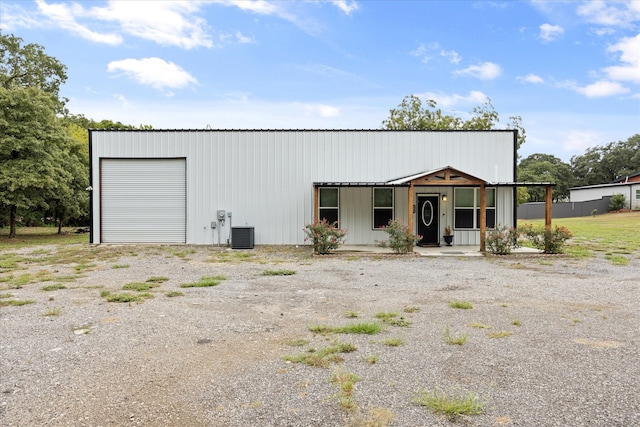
pixel 550 341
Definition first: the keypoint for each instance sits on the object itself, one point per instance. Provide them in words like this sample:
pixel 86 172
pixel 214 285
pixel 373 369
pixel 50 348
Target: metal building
pixel 175 186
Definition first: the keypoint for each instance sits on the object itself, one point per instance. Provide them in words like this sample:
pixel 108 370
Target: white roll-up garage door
pixel 143 200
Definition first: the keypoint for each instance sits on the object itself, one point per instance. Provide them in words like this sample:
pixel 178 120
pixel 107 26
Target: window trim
pixel 374 207
pixel 475 208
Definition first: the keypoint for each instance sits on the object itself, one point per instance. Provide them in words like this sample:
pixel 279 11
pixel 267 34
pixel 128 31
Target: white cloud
pixel 241 38
pixel 611 14
pixel 577 141
pixel 451 55
pixel 474 98
pixel 346 6
pixel 531 78
pixel 64 17
pixel 154 72
pixel 601 89
pixel 549 32
pixel 630 57
pixel 171 23
pixel 484 71
pixel 321 110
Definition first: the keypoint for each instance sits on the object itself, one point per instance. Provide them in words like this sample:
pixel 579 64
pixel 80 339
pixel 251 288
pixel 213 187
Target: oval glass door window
pixel 427 213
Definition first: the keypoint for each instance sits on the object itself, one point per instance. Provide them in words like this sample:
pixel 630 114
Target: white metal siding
pixel 265 177
pixel 143 200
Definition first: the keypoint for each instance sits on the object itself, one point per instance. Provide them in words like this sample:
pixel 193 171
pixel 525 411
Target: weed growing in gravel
pixel 453 339
pixel 234 256
pixel 350 314
pixel 278 273
pixel 478 325
pixel 116 266
pixel 82 267
pixel 393 342
pixel 205 282
pixel 300 342
pixel 451 404
pixel 20 281
pixel 54 287
pixel 372 360
pixel 157 279
pixel 393 319
pixel 346 382
pixel 323 357
pixel 499 334
pixel 139 287
pixel 465 305
pixel 7 295
pixel 125 297
pixel 411 309
pixel 375 417
pixel 172 294
pixel 516 322
pixel 15 302
pixel 53 311
pixel 368 328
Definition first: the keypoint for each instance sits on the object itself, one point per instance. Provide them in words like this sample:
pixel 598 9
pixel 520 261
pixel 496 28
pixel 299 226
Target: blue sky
pixel 571 70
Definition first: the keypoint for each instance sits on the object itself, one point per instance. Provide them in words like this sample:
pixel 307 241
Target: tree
pixel 35 165
pixel 412 115
pixel 546 168
pixel 601 165
pixel 32 153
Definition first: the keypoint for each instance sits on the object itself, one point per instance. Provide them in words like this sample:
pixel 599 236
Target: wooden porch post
pixel 483 216
pixel 316 203
pixel 548 202
pixel 410 210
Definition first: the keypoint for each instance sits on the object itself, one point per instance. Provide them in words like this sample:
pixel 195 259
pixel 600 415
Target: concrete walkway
pixel 464 251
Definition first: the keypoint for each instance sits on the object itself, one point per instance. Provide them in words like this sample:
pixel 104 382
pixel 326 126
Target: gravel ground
pixel 214 356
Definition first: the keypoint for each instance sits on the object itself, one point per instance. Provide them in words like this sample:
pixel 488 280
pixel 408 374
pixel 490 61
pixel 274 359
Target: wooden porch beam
pixel 316 203
pixel 410 210
pixel 483 217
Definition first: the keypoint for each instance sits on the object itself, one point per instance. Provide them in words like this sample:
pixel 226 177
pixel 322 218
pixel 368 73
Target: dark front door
pixel 427 218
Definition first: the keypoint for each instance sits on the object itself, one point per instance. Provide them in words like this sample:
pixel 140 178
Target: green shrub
pixel 401 239
pixel 502 240
pixel 550 241
pixel 618 201
pixel 324 236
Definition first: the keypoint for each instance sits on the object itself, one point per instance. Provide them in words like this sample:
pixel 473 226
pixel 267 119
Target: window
pixel 467 207
pixel 329 204
pixel 637 194
pixel 382 207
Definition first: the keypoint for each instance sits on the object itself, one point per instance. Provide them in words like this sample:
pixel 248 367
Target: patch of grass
pixel 372 359
pixel 7 295
pixel 66 278
pixel 499 334
pixel 346 382
pixel 350 314
pixel 461 304
pixel 184 253
pixel 451 339
pixel 393 342
pixel 504 305
pixel 411 309
pixel 452 404
pixel 157 279
pixel 205 282
pixel 82 267
pixel 299 342
pixel 367 328
pixel 617 259
pixel 116 266
pixel 375 417
pixel 393 319
pixel 122 297
pixel 15 302
pixel 478 325
pixel 234 256
pixel 19 281
pixel 323 357
pixel 516 322
pixel 40 236
pixel 139 287
pixel 53 311
pixel 10 261
pixel 173 294
pixel 278 273
pixel 54 287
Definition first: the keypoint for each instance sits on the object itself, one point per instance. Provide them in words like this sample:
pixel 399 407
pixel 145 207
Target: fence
pixel 535 210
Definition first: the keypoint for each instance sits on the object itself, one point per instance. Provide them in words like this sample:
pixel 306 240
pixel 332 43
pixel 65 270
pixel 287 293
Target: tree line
pixel 44 153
